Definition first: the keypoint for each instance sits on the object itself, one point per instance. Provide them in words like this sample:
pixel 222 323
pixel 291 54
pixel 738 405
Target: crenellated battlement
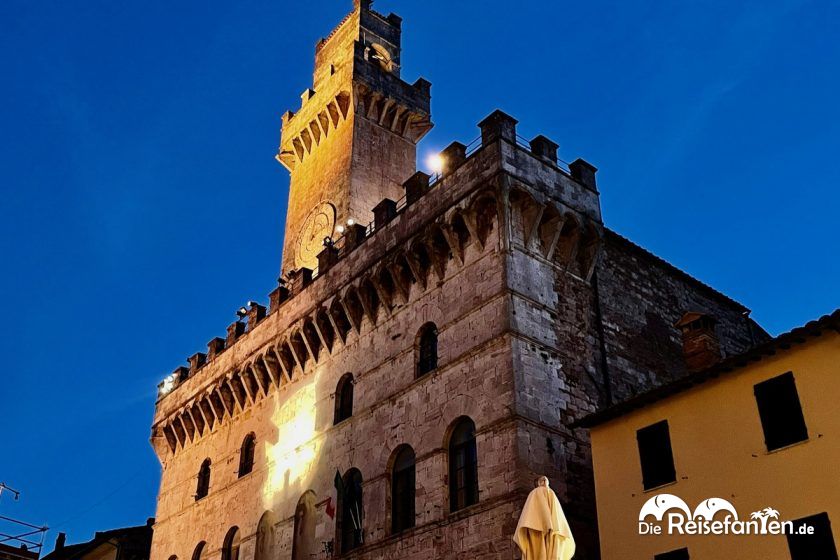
pixel 352 141
pixel 304 131
pixel 411 244
pixel 486 300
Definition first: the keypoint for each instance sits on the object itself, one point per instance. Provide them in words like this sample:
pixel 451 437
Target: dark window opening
pixel 427 355
pixel 266 541
pixel 679 554
pixel 780 412
pixel 230 549
pixel 817 546
pixel 656 455
pixel 198 553
pixel 344 398
pixel 304 545
pixel 246 455
pixel 351 529
pixel 424 262
pixel 463 466
pixel 403 490
pixel 203 486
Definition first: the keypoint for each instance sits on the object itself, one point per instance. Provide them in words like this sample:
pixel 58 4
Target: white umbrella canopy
pixel 543 532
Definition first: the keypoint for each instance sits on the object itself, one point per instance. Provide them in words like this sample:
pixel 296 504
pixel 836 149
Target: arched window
pixel 344 398
pixel 463 466
pixel 303 540
pixel 200 551
pixel 203 486
pixel 351 523
pixel 402 490
pixel 246 454
pixel 266 538
pixel 230 548
pixel 427 349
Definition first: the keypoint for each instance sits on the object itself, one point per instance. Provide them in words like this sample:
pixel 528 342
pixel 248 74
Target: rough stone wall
pixel 299 449
pixel 520 354
pixel 382 161
pixel 506 254
pixel 563 300
pixel 641 299
pixel 352 141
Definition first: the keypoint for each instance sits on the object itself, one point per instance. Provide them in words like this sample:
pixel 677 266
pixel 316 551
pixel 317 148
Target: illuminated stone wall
pixel 352 141
pixel 506 253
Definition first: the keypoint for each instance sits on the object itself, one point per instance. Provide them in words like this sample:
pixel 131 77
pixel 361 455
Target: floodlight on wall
pixel 242 312
pixel 435 163
pixel 168 384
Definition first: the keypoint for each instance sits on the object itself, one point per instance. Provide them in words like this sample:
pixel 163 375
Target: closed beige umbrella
pixel 543 532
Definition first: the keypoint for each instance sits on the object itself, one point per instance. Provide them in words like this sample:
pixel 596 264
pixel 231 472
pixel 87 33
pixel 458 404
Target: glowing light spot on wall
pixel 435 163
pixel 292 456
pixel 167 384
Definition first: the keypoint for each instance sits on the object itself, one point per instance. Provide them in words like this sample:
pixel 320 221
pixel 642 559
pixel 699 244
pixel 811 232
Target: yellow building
pixel 719 463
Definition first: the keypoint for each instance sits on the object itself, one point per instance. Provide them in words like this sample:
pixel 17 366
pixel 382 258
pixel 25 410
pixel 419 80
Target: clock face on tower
pixel 317 225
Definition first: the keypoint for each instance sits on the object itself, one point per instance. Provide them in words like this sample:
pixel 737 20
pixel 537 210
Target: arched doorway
pixel 350 524
pixel 266 537
pixel 303 543
pixel 230 548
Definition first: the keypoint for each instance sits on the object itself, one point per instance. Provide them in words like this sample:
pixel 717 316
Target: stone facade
pixel 542 315
pixel 344 160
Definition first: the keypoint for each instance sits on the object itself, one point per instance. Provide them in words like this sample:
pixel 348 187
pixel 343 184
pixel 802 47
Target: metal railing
pixel 296 285
pixel 524 143
pixel 473 146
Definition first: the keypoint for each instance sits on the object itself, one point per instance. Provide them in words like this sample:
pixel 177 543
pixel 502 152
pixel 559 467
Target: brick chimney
pixel 60 541
pixel 701 347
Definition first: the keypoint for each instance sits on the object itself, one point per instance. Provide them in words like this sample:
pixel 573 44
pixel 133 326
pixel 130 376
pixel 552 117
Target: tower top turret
pixel 353 140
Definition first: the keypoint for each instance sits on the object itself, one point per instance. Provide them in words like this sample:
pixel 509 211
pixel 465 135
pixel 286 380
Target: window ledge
pixel 463 512
pixel 786 447
pixel 660 487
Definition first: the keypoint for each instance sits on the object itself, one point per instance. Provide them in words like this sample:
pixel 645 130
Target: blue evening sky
pixel 141 204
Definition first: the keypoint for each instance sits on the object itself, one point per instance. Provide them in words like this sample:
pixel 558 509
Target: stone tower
pixel 400 402
pixel 352 142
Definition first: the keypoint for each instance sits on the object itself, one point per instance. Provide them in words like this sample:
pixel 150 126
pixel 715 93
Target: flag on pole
pixel 330 508
pixel 339 484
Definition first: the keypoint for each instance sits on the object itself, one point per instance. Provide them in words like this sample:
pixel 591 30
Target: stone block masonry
pixel 539 315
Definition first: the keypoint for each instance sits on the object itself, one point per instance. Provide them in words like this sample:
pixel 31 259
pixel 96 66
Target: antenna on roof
pixel 20 532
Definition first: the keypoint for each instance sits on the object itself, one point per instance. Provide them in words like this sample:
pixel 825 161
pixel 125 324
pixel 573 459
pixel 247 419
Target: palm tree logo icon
pixel 771 513
pixel 764 515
